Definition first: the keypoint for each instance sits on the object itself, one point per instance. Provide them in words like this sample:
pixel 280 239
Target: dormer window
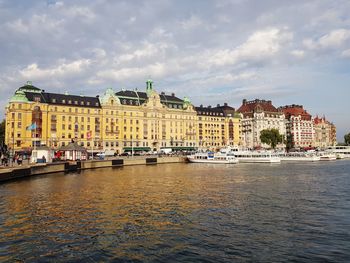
pixel 53 100
pixel 124 101
pixel 88 103
pixel 76 102
pixel 96 103
pixel 69 102
pixel 37 99
pixel 63 101
pixel 82 103
pixel 130 102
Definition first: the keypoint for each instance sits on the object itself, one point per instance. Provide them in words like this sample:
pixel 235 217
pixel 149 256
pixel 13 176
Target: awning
pixel 181 148
pixel 136 149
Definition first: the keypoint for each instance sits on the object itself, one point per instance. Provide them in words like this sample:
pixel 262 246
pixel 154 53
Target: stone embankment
pixel 12 173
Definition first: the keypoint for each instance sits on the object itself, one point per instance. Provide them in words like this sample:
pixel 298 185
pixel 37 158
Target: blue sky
pixel 290 52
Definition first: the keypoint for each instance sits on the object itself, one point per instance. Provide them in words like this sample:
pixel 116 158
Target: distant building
pixel 299 126
pixel 325 132
pixel 218 126
pixel 259 115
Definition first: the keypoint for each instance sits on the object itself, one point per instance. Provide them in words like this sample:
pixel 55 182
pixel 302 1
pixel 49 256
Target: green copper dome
pixel 19 96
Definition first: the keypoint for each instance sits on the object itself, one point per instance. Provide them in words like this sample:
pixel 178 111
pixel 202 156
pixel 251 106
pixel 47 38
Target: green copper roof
pixel 30 88
pixel 107 95
pixel 19 96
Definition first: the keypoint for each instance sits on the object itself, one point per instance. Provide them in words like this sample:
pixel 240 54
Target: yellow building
pixel 218 127
pixel 127 120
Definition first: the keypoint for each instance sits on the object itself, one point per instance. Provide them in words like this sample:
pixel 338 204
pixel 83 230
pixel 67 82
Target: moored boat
pixel 299 157
pixel 211 157
pixel 328 157
pixel 256 156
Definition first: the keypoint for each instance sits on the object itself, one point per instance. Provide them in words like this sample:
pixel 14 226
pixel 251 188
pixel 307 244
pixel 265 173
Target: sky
pixel 290 52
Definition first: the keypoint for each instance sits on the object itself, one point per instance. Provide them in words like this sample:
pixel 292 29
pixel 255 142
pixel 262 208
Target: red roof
pixel 257 105
pixel 296 110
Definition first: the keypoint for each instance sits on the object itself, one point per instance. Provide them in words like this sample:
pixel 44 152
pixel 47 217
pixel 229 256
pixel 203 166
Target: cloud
pixel 191 23
pixel 259 46
pixel 298 53
pixel 346 53
pixel 334 39
pixel 33 72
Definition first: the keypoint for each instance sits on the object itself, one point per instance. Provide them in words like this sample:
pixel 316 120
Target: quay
pixel 12 173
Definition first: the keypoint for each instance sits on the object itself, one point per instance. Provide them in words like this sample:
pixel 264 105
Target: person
pixel 44 159
pixel 19 160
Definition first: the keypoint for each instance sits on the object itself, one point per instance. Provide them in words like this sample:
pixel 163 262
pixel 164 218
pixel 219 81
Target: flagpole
pixel 35 141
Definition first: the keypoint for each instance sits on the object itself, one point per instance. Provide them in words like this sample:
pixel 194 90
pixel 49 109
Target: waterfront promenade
pixel 27 170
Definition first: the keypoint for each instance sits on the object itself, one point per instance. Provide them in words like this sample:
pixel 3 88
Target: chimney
pixel 218 105
pixel 225 104
pixel 97 96
pixel 201 106
pixel 173 94
pixel 162 93
pixel 209 106
pixel 244 102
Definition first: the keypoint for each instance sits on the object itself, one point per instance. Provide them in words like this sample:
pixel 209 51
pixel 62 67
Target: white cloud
pixel 260 45
pixel 334 39
pixel 298 53
pixel 191 23
pixel 33 72
pixel 346 53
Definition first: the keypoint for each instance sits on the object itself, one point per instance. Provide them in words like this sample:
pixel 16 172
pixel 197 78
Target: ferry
pixel 299 157
pixel 211 157
pixel 256 156
pixel 341 151
pixel 328 157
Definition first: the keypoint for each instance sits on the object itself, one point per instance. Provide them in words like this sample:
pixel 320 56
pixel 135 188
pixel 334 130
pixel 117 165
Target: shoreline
pixel 13 173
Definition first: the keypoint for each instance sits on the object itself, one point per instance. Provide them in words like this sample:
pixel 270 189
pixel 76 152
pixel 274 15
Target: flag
pixel 31 127
pixel 88 135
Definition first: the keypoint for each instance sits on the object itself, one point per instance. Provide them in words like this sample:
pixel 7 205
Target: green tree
pixel 271 137
pixel 347 139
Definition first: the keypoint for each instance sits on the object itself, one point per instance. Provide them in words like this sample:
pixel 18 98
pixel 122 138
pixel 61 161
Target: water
pixel 180 212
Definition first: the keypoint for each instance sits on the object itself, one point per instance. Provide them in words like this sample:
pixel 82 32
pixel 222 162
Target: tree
pixel 271 137
pixel 347 139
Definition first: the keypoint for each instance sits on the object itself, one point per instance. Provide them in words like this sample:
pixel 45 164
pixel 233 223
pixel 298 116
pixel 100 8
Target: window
pixel 53 100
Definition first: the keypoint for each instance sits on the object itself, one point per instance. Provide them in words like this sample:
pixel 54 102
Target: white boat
pixel 256 156
pixel 340 156
pixel 341 151
pixel 328 157
pixel 299 157
pixel 210 157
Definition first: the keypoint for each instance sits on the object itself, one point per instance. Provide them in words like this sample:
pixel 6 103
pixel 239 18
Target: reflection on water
pixel 180 212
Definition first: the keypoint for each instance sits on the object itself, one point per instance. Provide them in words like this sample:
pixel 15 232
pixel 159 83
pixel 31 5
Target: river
pixel 180 213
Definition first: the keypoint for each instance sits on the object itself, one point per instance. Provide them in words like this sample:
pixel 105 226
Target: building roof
pixel 73 146
pixel 223 110
pixel 131 97
pixel 257 106
pixel 295 110
pixel 64 99
pixel 29 87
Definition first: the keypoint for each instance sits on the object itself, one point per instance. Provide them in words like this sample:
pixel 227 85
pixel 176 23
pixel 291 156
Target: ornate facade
pixel 299 126
pixel 127 120
pixel 325 133
pixel 257 116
